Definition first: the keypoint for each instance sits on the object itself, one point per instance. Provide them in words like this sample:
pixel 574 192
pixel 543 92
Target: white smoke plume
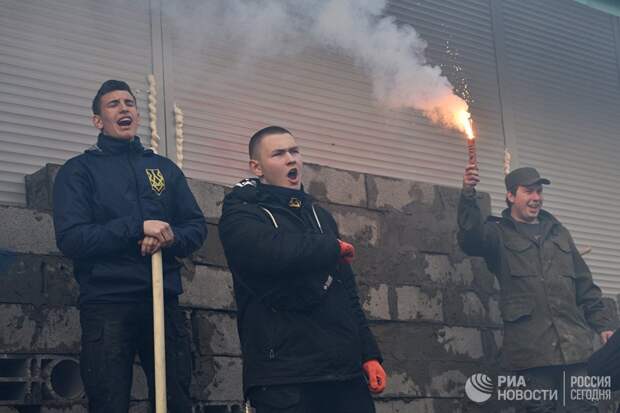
pixel 392 55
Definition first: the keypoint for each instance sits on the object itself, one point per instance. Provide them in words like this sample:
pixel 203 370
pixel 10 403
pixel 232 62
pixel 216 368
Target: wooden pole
pixel 159 333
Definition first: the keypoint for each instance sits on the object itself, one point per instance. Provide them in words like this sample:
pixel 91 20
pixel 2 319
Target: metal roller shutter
pixel 563 65
pixel 327 102
pixel 53 57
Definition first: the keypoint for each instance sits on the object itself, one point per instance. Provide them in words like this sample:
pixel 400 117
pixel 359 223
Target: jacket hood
pixel 107 145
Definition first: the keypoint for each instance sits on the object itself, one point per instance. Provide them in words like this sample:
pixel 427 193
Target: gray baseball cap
pixel 525 177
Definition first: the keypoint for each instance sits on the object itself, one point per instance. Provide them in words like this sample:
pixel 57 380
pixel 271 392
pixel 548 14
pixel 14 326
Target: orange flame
pixel 465 123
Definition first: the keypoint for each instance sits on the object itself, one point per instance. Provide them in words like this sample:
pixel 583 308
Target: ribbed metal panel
pixel 564 72
pixel 53 57
pixel 327 102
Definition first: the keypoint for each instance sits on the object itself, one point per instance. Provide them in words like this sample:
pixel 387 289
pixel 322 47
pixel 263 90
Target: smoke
pixel 391 54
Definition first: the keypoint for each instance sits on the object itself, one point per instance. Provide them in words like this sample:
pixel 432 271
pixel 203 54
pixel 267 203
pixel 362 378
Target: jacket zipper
pixel 135 180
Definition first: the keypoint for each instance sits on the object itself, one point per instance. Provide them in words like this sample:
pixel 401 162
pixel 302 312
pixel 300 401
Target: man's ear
pixel 255 168
pixel 510 197
pixel 97 122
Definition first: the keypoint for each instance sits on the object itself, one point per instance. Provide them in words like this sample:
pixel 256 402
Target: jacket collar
pixel 546 219
pixel 252 191
pixel 107 145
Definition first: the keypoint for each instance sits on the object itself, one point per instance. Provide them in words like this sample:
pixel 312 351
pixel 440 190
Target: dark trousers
pixel 112 335
pixel 351 396
pixel 552 378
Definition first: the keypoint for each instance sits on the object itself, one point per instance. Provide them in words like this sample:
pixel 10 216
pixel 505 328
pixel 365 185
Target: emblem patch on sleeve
pixel 156 179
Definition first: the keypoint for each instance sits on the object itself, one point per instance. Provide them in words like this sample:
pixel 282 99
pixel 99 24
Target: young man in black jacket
pixel 114 206
pixel 305 340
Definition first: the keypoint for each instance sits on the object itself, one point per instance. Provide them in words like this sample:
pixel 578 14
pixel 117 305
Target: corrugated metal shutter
pixel 53 57
pixel 565 80
pixel 327 102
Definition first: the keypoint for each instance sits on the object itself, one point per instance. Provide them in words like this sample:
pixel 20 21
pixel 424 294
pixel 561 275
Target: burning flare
pixel 464 124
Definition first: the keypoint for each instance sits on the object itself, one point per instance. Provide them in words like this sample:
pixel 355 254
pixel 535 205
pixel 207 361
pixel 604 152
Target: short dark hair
pixel 107 87
pixel 513 191
pixel 256 139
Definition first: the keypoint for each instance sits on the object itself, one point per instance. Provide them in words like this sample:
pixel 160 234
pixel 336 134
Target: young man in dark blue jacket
pixel 305 340
pixel 114 206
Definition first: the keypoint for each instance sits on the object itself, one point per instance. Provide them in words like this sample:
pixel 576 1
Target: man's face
pixel 526 203
pixel 278 161
pixel 119 116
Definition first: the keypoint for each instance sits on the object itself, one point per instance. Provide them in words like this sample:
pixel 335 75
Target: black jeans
pixel 351 396
pixel 112 335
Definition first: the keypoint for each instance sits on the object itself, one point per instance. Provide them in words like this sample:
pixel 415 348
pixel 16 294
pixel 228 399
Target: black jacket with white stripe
pixel 299 316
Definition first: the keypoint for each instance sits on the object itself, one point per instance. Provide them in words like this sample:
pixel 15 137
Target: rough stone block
pixel 461 341
pixel 211 252
pixel 40 187
pixel 401 343
pixel 209 197
pixel 421 230
pixel 26 231
pixel 447 383
pixel 473 309
pixel 440 270
pixel 499 338
pixel 218 379
pixel 335 185
pixel 356 225
pixel 18 328
pixel 400 384
pixel 376 304
pixel 20 278
pixel 413 303
pixel 139 386
pixel 59 330
pixel 216 333
pixel 399 194
pixel 36 279
pixel 494 313
pixel 208 287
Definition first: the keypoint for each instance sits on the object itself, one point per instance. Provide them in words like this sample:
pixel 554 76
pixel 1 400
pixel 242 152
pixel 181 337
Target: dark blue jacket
pixel 101 199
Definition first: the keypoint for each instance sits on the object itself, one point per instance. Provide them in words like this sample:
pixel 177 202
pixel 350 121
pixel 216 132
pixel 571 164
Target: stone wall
pixel 434 311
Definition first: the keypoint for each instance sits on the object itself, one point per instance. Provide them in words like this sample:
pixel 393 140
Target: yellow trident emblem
pixel 156 179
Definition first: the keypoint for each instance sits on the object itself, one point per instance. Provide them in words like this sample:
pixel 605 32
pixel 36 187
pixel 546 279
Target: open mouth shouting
pixel 125 121
pixel 293 176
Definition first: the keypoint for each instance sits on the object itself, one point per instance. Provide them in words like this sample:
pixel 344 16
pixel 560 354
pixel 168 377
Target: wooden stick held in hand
pixel 159 333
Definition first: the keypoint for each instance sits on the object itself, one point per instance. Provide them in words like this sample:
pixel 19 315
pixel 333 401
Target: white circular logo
pixel 479 388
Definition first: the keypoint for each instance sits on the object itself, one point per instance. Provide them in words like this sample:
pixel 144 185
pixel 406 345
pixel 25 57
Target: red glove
pixel 376 376
pixel 347 252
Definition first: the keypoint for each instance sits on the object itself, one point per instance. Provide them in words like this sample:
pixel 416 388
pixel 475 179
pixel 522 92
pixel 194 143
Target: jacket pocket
pixel 562 258
pixel 303 293
pixel 522 257
pixel 517 308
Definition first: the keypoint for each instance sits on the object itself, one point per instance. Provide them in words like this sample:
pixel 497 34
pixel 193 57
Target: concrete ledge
pixel 335 185
pixel 27 231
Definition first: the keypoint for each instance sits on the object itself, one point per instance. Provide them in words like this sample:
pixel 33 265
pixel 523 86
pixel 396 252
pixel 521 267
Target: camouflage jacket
pixel 548 301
